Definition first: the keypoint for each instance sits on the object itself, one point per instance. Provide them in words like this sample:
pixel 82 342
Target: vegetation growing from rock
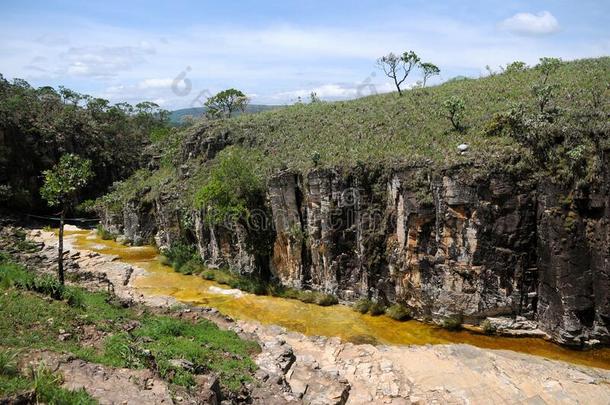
pixel 453 322
pixel 399 312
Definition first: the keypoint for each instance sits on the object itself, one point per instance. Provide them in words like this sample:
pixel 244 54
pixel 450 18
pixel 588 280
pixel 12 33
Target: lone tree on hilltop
pixel 398 68
pixel 61 186
pixel 429 70
pixel 455 111
pixel 223 104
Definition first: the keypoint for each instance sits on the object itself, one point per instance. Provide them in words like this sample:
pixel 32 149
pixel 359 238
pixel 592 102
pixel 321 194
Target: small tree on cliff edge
pixel 61 186
pixel 397 67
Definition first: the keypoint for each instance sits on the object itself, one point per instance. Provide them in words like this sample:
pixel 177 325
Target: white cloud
pixel 334 91
pixel 156 83
pixel 543 23
pixel 104 61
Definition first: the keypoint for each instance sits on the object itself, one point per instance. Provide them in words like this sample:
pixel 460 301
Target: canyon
pixel 443 241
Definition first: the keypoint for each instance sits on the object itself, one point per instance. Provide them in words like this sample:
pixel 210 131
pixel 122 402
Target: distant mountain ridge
pixel 177 116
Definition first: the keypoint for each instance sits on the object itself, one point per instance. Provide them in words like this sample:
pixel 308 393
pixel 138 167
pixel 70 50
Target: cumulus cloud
pixel 543 23
pixel 104 61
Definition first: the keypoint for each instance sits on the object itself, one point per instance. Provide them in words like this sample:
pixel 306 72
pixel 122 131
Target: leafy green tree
pixel 429 70
pixel 398 68
pixel 226 102
pixel 543 90
pixel 516 66
pixel 455 111
pixel 60 189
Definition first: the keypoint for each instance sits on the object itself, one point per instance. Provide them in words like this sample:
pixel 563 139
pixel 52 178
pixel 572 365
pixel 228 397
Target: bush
pixel 326 300
pixel 377 309
pixel 180 254
pixel 453 322
pixel 363 306
pixel 455 111
pixel 488 327
pixel 104 234
pixel 74 296
pixel 193 266
pixel 233 185
pixel 399 312
pixel 48 285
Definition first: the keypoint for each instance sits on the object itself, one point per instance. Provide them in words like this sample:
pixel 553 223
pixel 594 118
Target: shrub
pixel 104 234
pixel 377 309
pixel 193 266
pixel 399 312
pixel 180 254
pixel 363 306
pixel 488 327
pixel 326 300
pixel 48 285
pixel 234 183
pixel 74 296
pixel 453 322
pixel 455 111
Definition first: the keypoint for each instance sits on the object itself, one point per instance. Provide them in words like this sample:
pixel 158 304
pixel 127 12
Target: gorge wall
pixel 442 243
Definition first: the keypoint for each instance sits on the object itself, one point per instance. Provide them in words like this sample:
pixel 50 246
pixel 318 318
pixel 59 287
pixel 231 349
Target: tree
pixel 516 66
pixel 61 186
pixel 223 104
pixel 543 90
pixel 398 68
pixel 455 110
pixel 429 70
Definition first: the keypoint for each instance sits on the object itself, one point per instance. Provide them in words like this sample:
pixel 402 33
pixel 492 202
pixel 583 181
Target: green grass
pixel 45 385
pixel 34 318
pixel 388 132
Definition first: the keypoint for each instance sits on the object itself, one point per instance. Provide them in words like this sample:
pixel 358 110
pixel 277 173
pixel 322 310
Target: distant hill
pixel 177 115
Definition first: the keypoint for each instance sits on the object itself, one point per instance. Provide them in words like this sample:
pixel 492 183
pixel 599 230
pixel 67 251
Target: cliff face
pixel 574 262
pixel 441 244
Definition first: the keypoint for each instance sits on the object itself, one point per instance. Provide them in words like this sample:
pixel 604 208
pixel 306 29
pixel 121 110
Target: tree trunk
pixel 60 249
pixel 397 87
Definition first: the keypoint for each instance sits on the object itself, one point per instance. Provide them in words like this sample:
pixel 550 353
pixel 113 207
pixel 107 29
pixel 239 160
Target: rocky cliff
pixel 443 243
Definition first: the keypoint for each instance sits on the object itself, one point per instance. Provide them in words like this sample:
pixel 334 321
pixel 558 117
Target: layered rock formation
pixel 442 242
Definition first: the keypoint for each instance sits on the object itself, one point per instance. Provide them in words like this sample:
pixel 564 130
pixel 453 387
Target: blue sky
pixel 276 51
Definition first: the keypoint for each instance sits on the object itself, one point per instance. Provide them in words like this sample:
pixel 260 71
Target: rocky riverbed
pixel 295 368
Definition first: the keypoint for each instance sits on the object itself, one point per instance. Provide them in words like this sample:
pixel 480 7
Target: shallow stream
pixel 310 319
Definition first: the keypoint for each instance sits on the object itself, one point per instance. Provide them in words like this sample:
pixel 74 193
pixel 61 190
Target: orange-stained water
pixel 338 320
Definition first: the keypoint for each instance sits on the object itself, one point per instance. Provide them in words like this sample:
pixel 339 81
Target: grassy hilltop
pixel 502 123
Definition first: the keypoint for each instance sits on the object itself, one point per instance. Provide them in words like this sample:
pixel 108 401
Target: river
pixel 310 319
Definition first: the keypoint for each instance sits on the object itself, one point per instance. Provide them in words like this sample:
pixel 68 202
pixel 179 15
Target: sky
pixel 179 53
